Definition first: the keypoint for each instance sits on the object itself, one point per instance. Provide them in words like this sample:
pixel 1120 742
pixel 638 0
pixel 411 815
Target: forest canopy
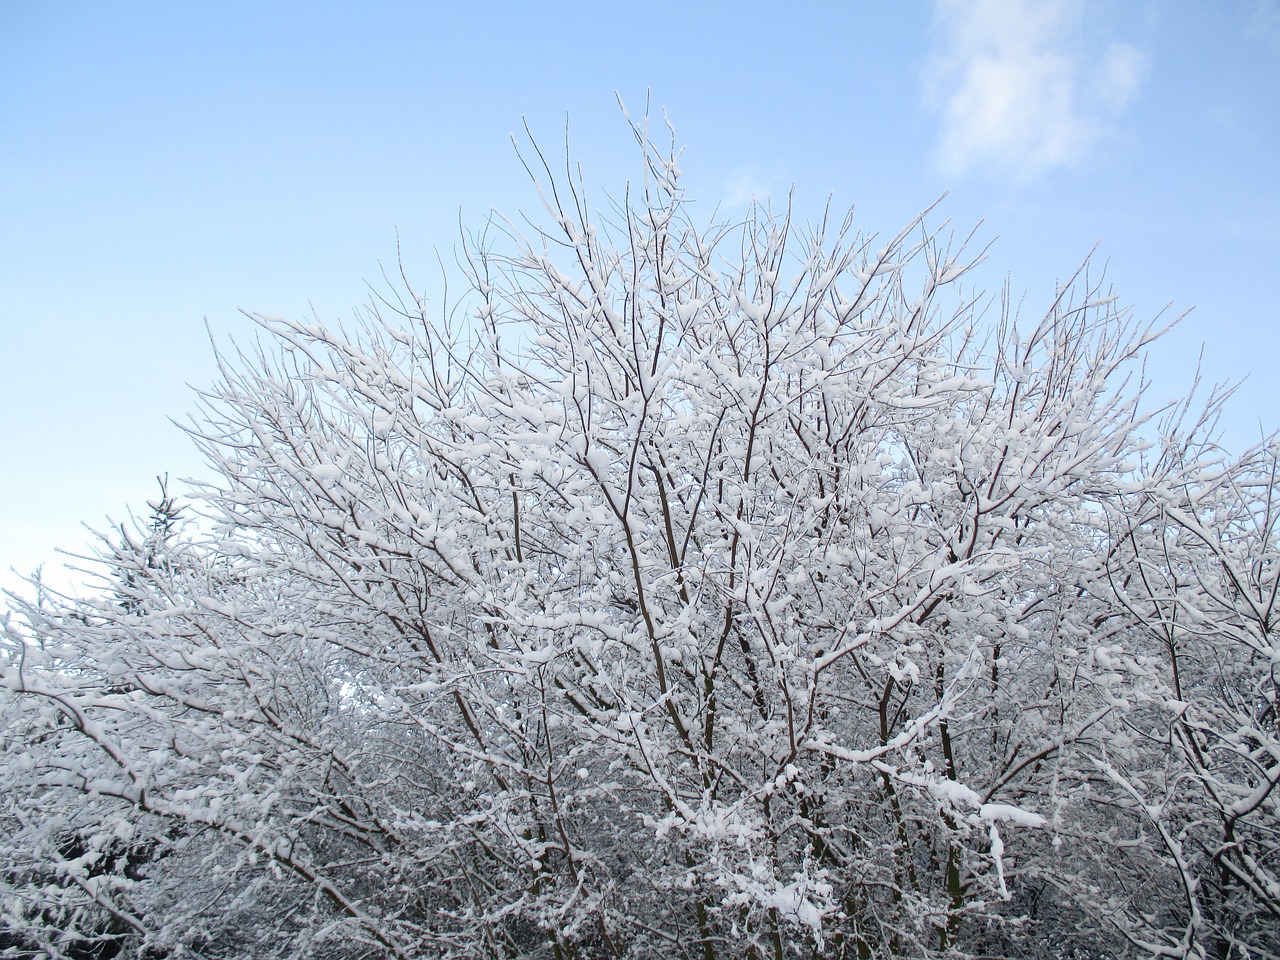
pixel 695 590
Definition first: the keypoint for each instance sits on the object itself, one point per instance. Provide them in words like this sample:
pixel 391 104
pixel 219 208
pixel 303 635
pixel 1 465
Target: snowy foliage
pixel 705 592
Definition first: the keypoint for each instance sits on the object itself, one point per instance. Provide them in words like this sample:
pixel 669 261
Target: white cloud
pixel 1018 92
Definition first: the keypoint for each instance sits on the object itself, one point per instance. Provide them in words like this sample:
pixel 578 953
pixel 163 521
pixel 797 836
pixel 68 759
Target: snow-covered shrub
pixel 707 591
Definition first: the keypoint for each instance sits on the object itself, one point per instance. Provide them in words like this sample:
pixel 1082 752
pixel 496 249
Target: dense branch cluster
pixel 738 591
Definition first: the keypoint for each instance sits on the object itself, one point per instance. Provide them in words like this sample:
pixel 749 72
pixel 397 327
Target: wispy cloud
pixel 1018 91
pixel 1264 23
pixel 743 187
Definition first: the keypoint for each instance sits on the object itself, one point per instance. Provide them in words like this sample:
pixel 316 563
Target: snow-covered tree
pixel 705 591
pixel 1192 566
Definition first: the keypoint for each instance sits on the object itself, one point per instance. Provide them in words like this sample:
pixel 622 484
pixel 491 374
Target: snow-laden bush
pixel 702 592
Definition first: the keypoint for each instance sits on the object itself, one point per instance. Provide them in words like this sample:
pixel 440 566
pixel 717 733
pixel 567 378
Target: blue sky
pixel 164 164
